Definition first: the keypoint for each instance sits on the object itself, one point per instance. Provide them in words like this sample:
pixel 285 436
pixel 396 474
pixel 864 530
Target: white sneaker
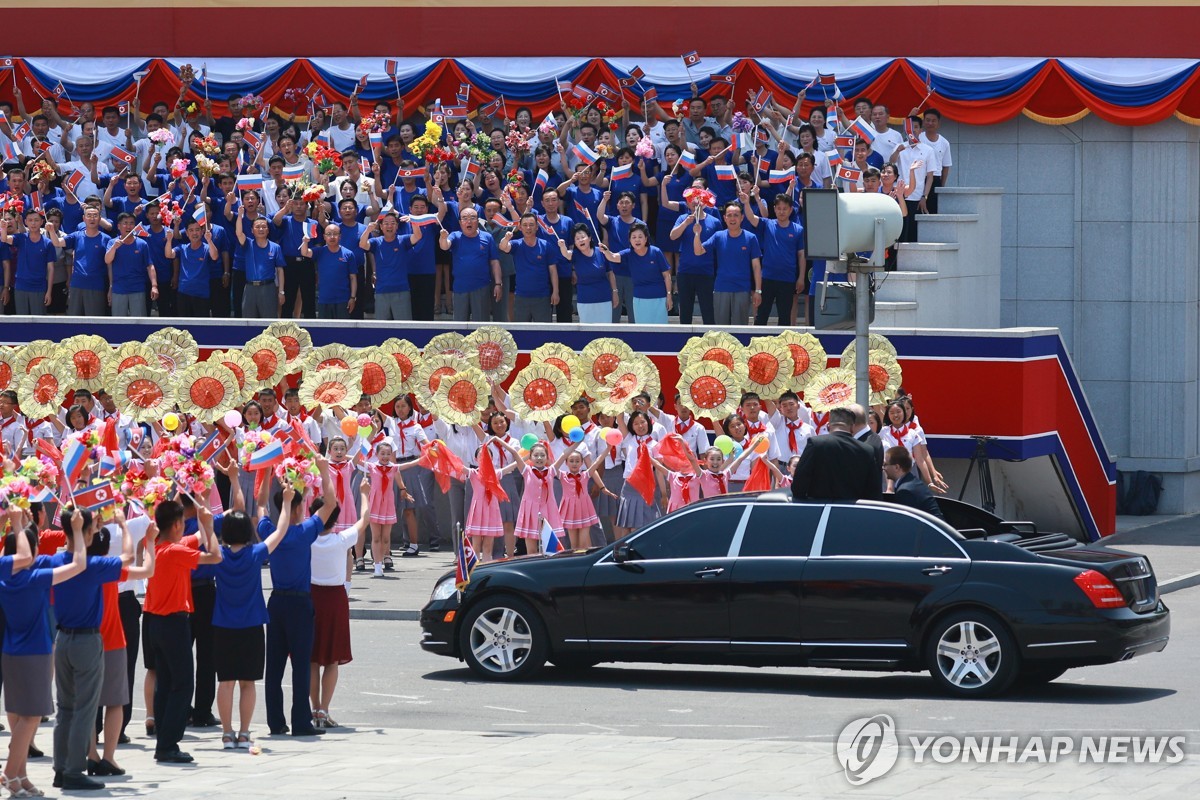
pixel 379 570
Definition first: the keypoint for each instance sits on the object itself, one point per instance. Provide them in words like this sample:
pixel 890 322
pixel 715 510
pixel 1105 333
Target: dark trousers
pixel 204 600
pixel 238 288
pixel 289 635
pixel 169 639
pixel 931 202
pixel 780 295
pixel 168 300
pixel 909 232
pixel 131 614
pixel 693 289
pixel 420 288
pixel 300 275
pixel 564 312
pixel 219 295
pixel 188 306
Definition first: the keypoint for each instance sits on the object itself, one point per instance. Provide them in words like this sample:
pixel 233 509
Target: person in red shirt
pixel 167 632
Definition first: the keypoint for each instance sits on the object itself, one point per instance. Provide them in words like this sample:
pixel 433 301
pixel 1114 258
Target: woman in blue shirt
pixel 28 660
pixel 240 614
pixel 650 273
pixel 595 284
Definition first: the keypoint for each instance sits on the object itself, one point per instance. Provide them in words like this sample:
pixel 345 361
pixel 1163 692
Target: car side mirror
pixel 623 553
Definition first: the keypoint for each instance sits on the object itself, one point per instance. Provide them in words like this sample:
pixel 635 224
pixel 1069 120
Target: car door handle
pixel 936 570
pixel 709 572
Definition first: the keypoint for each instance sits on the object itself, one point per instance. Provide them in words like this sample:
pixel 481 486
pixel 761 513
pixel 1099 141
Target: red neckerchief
pixel 899 433
pixel 685 488
pixel 4 425
pixel 269 422
pixel 303 415
pixel 820 420
pixel 385 476
pixel 754 428
pixel 720 477
pixel 588 427
pixel 338 487
pixel 542 475
pixel 792 428
pixel 501 453
pixel 681 428
pixel 577 477
pixel 426 420
pixel 403 426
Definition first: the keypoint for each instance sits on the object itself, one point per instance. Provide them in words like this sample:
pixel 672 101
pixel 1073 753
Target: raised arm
pixel 285 519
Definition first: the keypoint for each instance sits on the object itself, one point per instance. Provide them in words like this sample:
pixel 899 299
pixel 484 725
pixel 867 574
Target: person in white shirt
pixel 89 163
pixel 683 423
pixel 792 429
pixel 40 139
pixel 916 161
pixel 886 139
pixel 931 124
pixel 341 128
pixel 296 412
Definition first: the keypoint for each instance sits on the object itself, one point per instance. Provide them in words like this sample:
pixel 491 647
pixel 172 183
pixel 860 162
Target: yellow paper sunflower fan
pixel 207 390
pixel 127 356
pixel 540 392
pixel 708 389
pixel 295 340
pixel 429 374
pixel 407 357
pixel 830 389
pixel 620 385
pixel 493 350
pixel 243 369
pixel 9 377
pixel 653 380
pixel 557 355
pixel 460 397
pixel 718 346
pixel 89 354
pixel 875 341
pixel 329 356
pixel 329 387
pixel 449 343
pixel 808 357
pixel 269 359
pixel 42 389
pixel 600 357
pixel 144 392
pixel 32 354
pixel 884 373
pixel 767 367
pixel 176 349
pixel 380 376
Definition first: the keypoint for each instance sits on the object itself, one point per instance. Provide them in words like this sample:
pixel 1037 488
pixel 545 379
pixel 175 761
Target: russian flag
pixel 75 457
pixel 201 214
pixel 98 495
pixel 293 172
pixel 361 448
pixel 323 138
pixel 690 59
pixel 44 495
pixel 862 130
pixel 782 175
pixel 252 182
pixel 743 140
pixel 835 159
pixel 687 160
pixel 725 172
pixel 11 154
pixel 421 220
pixel 551 123
pixel 266 456
pixel 584 153
pixel 850 174
pixel 550 540
pixel 540 182
pixel 621 173
pixel 376 139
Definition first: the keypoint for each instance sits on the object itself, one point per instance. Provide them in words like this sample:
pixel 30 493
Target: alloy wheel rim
pixel 501 640
pixel 969 655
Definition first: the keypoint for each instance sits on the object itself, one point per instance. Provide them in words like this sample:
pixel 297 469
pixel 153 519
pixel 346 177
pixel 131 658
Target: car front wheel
pixel 972 654
pixel 502 639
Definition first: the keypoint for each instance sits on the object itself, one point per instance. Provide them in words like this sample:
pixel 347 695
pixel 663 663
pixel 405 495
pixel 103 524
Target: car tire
pixel 970 653
pixel 1037 676
pixel 502 638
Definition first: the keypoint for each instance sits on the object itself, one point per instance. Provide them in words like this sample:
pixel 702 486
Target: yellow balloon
pixel 171 421
pixel 570 422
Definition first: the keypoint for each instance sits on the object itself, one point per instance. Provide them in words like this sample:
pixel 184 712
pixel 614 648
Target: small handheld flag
pixel 293 172
pixel 491 108
pixel 584 154
pixel 465 560
pixel 550 541
pixel 651 95
pixel 310 230
pixel 539 183
pixel 421 220
pixel 834 158
pixel 862 130
pixel 843 141
pixel 250 183
pixel 251 138
pixel 687 160
pixel 464 94
pixel 607 92
pixel 9 152
pixel 849 174
pixel 73 180
pixel 123 107
pixel 550 123
pixel 201 215
pixel 59 90
pixel 376 139
pixel 266 456
pixel 471 170
pixel 391 66
pixel 362 82
pixel 725 172
pixel 583 93
pixel 729 80
pixel 761 99
pixel 122 155
pixel 691 59
pixel 96 496
pixel 782 175
pixel 621 173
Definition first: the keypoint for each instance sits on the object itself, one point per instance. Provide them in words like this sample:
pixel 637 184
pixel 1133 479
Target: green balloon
pixel 528 441
pixel 724 444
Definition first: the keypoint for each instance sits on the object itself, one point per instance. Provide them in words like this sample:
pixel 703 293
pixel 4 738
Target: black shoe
pixel 35 753
pixel 411 552
pixel 93 767
pixel 123 739
pixel 104 768
pixel 57 784
pixel 80 782
pixel 433 548
pixel 173 757
pixel 309 731
pixel 204 720
pixel 280 731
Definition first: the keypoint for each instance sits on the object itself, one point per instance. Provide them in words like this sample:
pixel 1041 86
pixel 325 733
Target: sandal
pixel 19 791
pixel 360 565
pixel 328 720
pixel 320 720
pixel 243 740
pixel 227 741
pixel 388 566
pixel 28 787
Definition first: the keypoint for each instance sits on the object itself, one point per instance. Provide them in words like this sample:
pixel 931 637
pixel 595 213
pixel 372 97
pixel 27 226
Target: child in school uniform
pixel 576 509
pixel 382 507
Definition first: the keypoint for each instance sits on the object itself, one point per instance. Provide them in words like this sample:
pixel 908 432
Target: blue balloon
pixel 576 434
pixel 737 449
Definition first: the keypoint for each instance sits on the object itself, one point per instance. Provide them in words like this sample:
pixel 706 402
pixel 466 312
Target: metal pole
pixel 862 330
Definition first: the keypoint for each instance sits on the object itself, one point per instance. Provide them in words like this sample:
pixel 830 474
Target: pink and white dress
pixel 342 473
pixel 714 484
pixel 483 518
pixel 576 509
pixel 685 490
pixel 381 502
pixel 538 503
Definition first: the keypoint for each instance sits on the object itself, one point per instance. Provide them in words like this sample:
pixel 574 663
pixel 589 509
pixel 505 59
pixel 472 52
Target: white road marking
pixel 502 708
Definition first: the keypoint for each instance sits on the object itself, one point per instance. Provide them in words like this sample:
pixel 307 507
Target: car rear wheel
pixel 971 654
pixel 503 639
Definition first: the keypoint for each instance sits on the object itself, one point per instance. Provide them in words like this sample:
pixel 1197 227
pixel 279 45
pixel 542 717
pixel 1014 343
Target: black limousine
pixel 762 580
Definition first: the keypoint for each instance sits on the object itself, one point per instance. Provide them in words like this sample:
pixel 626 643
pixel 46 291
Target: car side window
pixel 936 544
pixel 871 532
pixel 780 530
pixel 703 533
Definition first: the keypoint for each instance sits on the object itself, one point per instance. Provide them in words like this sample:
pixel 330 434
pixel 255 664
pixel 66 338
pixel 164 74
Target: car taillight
pixel 1100 590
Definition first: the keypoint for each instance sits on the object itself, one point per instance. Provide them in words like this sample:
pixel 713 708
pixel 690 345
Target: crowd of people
pixel 599 212
pixel 186 557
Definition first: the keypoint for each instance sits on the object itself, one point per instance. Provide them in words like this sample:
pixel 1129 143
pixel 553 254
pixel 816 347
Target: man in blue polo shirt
pixel 392 254
pixel 190 276
pixel 290 224
pixel 264 269
pixel 85 287
pixel 782 243
pixel 694 273
pixel 738 283
pixel 129 267
pixel 537 271
pixel 290 608
pixel 475 261
pixel 31 272
pixel 352 231
pixel 337 275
